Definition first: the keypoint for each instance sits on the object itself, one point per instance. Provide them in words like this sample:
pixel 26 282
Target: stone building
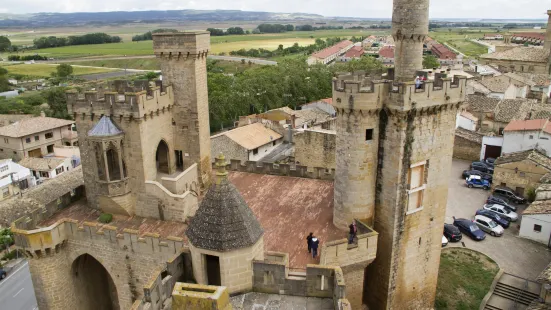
pixel 35 137
pixel 316 148
pixel 467 144
pixel 521 171
pixel 146 159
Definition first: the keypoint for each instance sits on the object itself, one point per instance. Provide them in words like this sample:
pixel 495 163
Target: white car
pixel 444 241
pixel 502 211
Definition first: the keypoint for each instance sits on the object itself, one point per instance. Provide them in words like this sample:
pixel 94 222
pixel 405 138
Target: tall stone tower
pixel 394 155
pixel 547 44
pixel 183 63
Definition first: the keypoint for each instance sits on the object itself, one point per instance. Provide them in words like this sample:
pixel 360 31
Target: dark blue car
pixel 502 221
pixel 470 229
pixel 2 274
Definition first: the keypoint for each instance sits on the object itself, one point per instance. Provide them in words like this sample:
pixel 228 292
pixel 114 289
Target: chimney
pixel 410 27
pixel 42 114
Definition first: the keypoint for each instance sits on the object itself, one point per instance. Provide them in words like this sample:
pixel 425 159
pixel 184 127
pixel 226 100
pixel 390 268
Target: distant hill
pixel 88 18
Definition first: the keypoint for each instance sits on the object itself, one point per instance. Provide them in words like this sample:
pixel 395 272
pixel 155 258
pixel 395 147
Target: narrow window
pixel 255 151
pixel 274 143
pixel 36 138
pixel 49 135
pixel 417 184
pixel 537 228
pixel 368 134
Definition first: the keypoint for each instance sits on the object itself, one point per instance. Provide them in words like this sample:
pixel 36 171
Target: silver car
pixel 488 225
pixel 502 211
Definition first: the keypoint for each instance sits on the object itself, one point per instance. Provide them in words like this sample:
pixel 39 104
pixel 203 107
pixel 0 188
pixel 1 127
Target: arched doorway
pixel 161 157
pixel 94 286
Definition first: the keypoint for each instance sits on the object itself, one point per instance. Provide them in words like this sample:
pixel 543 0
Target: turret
pixel 547 44
pixel 410 27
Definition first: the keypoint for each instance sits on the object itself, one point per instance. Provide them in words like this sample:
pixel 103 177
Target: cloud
pixel 366 8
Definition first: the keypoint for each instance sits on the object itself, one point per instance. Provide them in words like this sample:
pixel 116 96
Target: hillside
pixel 122 17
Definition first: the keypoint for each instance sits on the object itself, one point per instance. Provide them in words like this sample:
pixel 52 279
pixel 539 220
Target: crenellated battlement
pixel 297 171
pixel 361 91
pixel 136 105
pixel 42 241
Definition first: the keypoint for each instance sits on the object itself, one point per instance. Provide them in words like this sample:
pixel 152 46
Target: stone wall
pixel 316 148
pixel 297 171
pixel 525 174
pixel 185 181
pixel 157 202
pixel 236 267
pixel 466 149
pixel 508 65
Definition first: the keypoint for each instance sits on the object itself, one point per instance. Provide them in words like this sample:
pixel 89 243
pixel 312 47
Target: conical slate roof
pixel 223 221
pixel 104 128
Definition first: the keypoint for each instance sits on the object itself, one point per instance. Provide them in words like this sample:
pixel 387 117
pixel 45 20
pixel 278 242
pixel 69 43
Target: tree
pixel 57 101
pixel 5 44
pixel 64 70
pixel 430 62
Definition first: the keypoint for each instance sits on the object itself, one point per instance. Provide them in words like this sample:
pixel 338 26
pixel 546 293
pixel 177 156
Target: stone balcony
pixel 114 188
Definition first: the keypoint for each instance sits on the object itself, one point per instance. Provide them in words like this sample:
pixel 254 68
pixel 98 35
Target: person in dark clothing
pixel 309 241
pixel 314 245
pixel 352 233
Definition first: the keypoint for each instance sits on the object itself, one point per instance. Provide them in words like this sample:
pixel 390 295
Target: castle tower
pixel 183 64
pixel 547 44
pixel 225 236
pixel 410 27
pixel 394 155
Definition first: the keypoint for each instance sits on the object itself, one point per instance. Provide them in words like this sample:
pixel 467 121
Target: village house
pixel 523 135
pixel 445 55
pixel 47 168
pixel 521 171
pixel 13 178
pixel 250 142
pixel 538 84
pixel 536 219
pixel 467 144
pixel 502 87
pixel 329 54
pixel 355 52
pixel 35 137
pixel 8 119
pixel 519 59
pixel 466 120
pixel 386 55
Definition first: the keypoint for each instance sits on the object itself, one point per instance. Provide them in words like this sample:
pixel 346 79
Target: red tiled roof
pixel 328 100
pixel 332 50
pixel 387 52
pixel 530 125
pixel 531 35
pixel 355 52
pixel 443 52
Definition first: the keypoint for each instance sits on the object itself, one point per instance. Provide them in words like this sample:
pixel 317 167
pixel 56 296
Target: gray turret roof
pixel 223 221
pixel 104 128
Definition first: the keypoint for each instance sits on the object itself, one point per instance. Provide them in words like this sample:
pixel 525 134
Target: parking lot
pixel 515 255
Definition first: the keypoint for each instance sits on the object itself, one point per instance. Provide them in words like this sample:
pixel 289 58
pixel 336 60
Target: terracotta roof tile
pixel 513 109
pixel 29 126
pixel 478 103
pixel 469 135
pixel 496 84
pixel 533 155
pixel 387 52
pixel 355 52
pixel 529 125
pixel 332 50
pixel 538 207
pixel 532 54
pixel 42 164
pixel 251 136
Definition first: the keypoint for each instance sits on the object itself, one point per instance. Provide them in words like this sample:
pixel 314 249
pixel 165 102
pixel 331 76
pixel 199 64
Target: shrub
pixel 105 218
pixel 531 194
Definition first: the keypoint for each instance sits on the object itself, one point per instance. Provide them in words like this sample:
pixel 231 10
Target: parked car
pixel 501 210
pixel 482 167
pixel 485 176
pixel 3 274
pixel 478 182
pixel 490 161
pixel 501 201
pixel 469 228
pixel 452 233
pixel 444 241
pixel 488 225
pixel 500 220
pixel 510 194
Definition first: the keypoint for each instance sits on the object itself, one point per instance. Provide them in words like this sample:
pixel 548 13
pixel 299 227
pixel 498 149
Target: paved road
pixel 515 255
pixel 16 291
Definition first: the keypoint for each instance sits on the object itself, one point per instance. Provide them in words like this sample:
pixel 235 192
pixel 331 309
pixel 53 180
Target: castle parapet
pixel 38 242
pixel 359 91
pixel 181 45
pixel 340 253
pixel 297 171
pixel 135 105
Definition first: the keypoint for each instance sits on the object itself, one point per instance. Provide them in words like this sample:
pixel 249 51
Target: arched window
pixel 161 157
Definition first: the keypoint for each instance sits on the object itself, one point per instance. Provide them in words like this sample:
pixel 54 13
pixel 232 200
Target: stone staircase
pixel 512 292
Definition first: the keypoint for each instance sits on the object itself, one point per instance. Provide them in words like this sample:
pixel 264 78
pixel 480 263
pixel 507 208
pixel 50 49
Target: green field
pixel 464 278
pixel 223 44
pixel 44 70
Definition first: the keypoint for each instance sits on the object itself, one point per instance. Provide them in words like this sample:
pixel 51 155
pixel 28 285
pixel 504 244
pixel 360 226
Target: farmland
pixel 44 70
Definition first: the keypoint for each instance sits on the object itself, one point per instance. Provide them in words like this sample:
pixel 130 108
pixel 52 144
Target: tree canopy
pixel 430 62
pixel 5 44
pixel 64 70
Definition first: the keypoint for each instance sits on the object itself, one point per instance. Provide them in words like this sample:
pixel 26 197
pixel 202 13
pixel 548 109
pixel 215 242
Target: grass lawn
pixel 44 70
pixel 464 279
pixel 218 44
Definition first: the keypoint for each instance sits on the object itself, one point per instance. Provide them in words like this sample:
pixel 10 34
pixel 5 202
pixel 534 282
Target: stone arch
pixel 94 286
pixel 162 157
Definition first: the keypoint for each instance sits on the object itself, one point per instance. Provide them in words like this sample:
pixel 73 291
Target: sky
pixel 500 9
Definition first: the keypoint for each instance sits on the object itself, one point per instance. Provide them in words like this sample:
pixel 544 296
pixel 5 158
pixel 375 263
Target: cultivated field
pixel 44 70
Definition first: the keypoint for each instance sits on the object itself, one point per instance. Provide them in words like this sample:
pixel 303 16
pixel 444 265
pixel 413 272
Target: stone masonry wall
pixel 466 149
pixel 527 175
pixel 316 148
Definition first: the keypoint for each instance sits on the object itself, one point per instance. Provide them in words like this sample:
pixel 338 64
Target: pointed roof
pixel 104 128
pixel 223 221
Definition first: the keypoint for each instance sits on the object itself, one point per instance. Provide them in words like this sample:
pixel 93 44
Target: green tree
pixel 6 237
pixel 430 62
pixel 57 101
pixel 64 70
pixel 5 44
pixel 4 84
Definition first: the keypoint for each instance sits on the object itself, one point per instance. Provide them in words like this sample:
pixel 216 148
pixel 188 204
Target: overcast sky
pixel 510 9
